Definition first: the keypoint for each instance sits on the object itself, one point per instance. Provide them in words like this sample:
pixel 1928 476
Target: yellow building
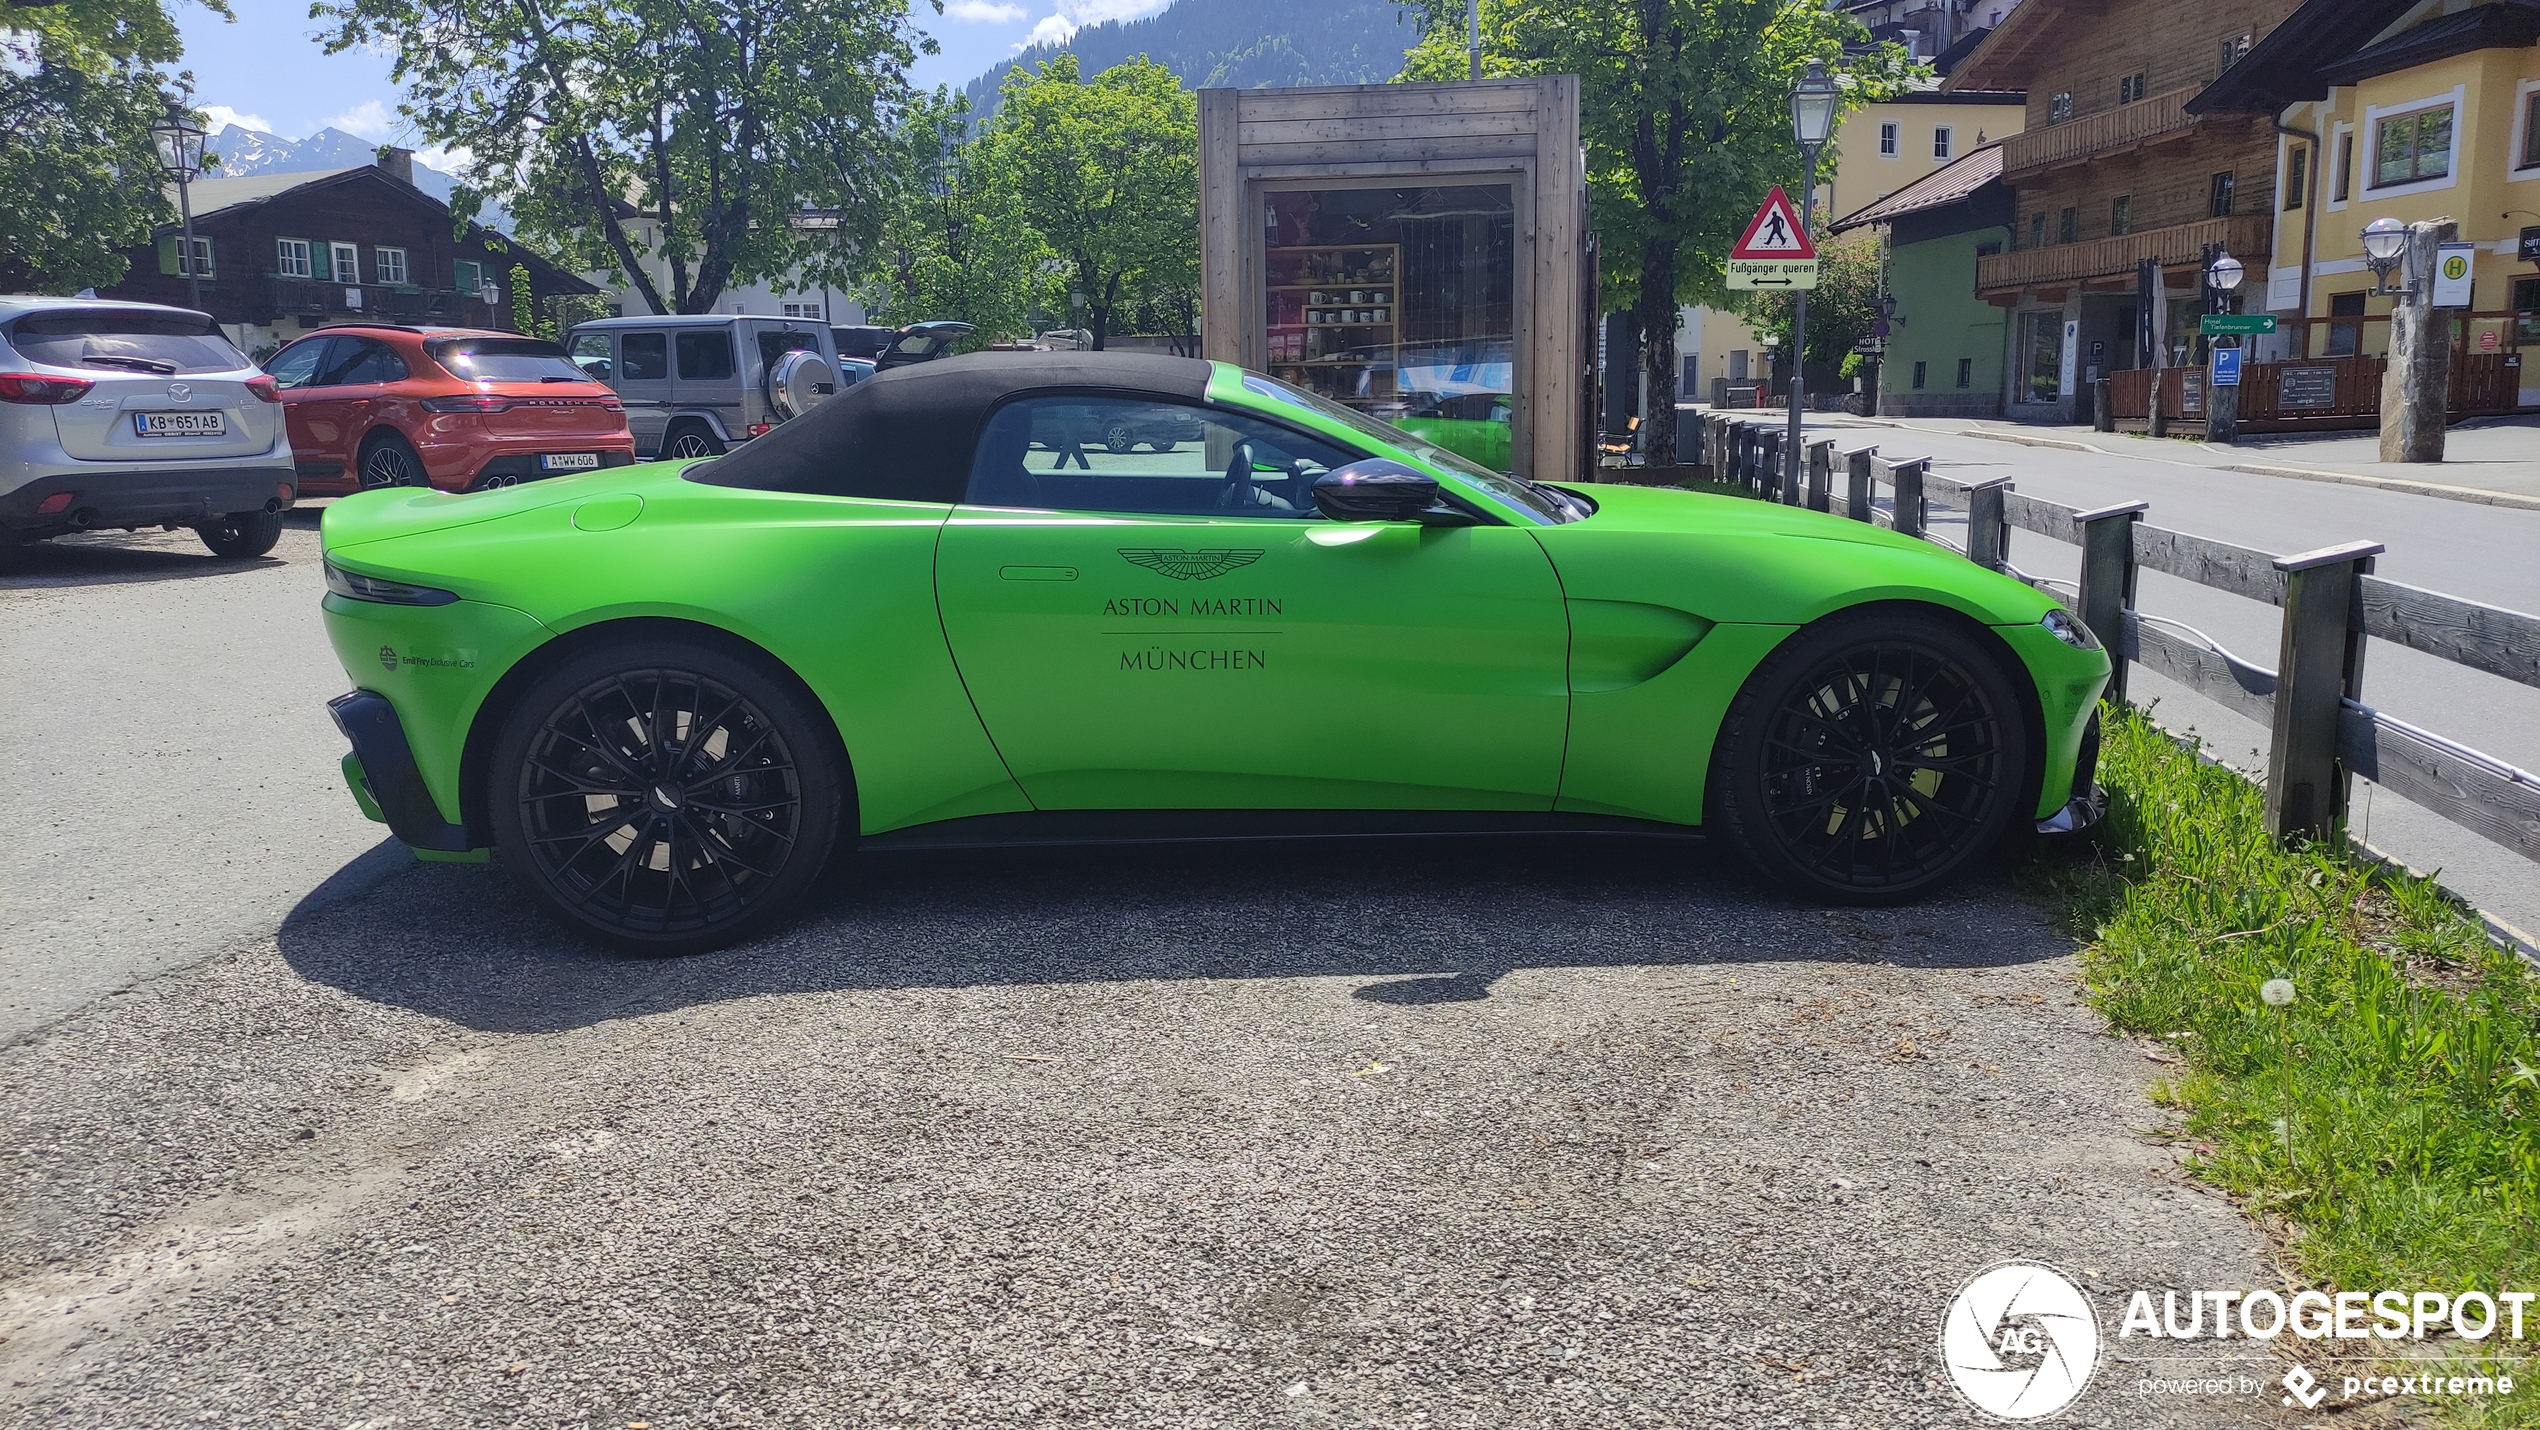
pixel 1879 149
pixel 2408 111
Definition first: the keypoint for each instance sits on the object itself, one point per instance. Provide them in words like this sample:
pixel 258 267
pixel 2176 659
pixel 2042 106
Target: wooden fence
pixel 2321 731
pixel 2312 393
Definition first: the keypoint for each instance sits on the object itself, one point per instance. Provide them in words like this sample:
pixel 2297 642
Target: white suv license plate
pixel 569 462
pixel 179 424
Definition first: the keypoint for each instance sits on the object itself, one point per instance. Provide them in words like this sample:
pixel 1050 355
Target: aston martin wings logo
pixel 1188 565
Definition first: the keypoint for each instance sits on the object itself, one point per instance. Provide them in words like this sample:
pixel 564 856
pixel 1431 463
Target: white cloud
pixel 1074 15
pixel 984 12
pixel 370 119
pixel 221 116
pixel 1052 30
pixel 448 161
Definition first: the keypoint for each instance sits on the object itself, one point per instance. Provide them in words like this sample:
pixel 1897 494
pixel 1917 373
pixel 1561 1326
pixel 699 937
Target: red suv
pixel 462 409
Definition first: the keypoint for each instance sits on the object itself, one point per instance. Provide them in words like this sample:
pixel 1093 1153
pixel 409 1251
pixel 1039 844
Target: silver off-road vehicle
pixel 130 415
pixel 697 385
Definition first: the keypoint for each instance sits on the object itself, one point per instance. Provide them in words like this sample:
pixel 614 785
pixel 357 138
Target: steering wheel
pixel 1237 493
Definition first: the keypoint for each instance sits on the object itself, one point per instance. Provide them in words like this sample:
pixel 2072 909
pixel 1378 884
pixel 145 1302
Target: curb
pixel 2055 442
pixel 2479 496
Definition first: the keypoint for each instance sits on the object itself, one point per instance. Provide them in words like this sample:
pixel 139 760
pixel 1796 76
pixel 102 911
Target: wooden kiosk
pixel 1419 252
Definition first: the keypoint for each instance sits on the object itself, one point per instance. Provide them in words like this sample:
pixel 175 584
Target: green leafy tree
pixel 752 140
pixel 80 85
pixel 1106 171
pixel 1843 309
pixel 955 244
pixel 1685 109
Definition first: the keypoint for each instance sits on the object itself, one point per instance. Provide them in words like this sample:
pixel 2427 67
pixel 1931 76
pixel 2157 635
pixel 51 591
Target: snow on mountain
pixel 245 151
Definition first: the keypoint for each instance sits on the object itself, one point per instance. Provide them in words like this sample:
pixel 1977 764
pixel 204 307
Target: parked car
pixel 680 701
pixel 852 370
pixel 130 415
pixel 698 385
pixel 921 342
pixel 860 342
pixel 460 409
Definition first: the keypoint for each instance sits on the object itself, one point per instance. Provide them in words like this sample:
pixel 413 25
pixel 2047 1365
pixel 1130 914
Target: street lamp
pixel 2226 273
pixel 2385 240
pixel 1812 106
pixel 180 144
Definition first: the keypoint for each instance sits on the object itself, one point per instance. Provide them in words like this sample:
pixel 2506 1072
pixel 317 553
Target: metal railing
pixel 2320 729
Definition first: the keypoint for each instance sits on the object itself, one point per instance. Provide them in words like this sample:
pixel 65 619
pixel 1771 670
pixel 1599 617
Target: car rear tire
pixel 1873 757
pixel 665 796
pixel 244 533
pixel 389 460
pixel 1119 439
pixel 689 441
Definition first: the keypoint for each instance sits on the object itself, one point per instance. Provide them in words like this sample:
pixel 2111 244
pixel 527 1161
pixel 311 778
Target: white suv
pixel 131 415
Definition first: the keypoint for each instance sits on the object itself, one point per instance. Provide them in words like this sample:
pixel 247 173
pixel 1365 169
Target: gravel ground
pixel 1356 1134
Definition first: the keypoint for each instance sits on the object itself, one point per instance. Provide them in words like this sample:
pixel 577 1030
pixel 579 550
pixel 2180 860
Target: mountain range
pixel 1238 44
pixel 244 151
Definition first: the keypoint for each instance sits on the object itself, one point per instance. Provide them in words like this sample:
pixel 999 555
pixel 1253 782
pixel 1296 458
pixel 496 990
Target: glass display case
pixel 1399 301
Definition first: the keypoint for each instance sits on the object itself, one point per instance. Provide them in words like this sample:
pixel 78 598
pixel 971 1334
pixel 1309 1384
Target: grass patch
pixel 2391 1116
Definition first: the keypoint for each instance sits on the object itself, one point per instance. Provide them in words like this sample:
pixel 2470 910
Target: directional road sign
pixel 2217 324
pixel 1775 253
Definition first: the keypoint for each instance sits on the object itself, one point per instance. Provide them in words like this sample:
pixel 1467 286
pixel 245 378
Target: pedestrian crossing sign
pixel 1776 232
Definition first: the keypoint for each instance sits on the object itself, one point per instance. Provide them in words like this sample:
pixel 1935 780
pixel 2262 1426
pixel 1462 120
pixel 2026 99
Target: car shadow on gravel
pixel 1422 922
pixel 114 559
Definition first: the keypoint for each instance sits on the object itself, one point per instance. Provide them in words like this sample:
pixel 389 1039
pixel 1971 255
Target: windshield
pixel 1543 502
pixel 506 360
pixel 123 339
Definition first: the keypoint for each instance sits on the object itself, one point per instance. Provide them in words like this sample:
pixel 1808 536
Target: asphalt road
pixel 171 770
pixel 2483 553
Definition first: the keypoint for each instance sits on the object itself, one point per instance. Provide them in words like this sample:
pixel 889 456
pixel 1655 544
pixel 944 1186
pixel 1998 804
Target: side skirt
pixel 1187 826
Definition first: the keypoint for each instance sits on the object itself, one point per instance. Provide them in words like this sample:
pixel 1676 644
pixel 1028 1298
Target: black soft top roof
pixel 907 434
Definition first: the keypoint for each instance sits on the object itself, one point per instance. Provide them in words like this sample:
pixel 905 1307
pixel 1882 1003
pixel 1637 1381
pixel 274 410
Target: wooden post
pixel 2103 405
pixel 1907 477
pixel 1988 531
pixel 2222 406
pixel 2156 419
pixel 1821 474
pixel 2418 382
pixel 2107 580
pixel 2320 663
pixel 1768 465
pixel 1860 497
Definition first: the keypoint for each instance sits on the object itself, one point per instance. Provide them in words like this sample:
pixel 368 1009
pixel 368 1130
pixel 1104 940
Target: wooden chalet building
pixel 283 253
pixel 2121 189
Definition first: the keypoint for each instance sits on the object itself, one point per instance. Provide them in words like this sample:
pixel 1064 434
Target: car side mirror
pixel 1375 489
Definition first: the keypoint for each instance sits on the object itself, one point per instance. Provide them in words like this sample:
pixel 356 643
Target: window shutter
pixel 167 255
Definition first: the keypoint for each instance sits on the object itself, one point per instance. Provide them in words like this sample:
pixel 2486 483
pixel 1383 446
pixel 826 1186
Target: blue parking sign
pixel 2226 367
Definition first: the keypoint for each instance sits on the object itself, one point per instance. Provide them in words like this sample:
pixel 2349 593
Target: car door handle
pixel 1037 573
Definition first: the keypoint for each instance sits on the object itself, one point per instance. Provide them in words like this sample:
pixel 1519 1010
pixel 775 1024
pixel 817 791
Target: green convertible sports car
pixel 929 613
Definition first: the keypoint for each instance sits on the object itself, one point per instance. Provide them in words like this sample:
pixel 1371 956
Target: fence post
pixel 2319 664
pixel 1768 466
pixel 1821 474
pixel 2156 419
pixel 1734 440
pixel 1860 498
pixel 2103 405
pixel 1907 477
pixel 2107 581
pixel 1988 531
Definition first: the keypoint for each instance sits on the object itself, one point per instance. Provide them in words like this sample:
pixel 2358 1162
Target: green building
pixel 1944 344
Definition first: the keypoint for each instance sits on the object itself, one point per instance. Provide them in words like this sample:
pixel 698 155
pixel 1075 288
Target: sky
pixel 267 70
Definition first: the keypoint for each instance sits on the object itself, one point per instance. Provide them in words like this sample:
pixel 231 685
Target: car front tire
pixel 1873 757
pixel 246 533
pixel 665 796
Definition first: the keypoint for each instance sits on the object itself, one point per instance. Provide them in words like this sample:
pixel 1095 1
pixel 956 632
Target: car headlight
pixel 2069 629
pixel 354 586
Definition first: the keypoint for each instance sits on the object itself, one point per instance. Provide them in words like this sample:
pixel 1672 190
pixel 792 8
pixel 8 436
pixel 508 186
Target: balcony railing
pixel 380 302
pixel 2109 131
pixel 2251 236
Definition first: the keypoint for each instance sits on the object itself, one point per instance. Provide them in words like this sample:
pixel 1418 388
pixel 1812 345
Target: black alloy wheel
pixel 665 798
pixel 244 533
pixel 389 462
pixel 1874 757
pixel 689 443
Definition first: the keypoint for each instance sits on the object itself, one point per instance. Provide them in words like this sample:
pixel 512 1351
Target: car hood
pixel 389 513
pixel 1737 560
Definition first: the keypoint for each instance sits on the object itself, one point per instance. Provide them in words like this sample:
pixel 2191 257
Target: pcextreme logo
pixel 2020 1340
